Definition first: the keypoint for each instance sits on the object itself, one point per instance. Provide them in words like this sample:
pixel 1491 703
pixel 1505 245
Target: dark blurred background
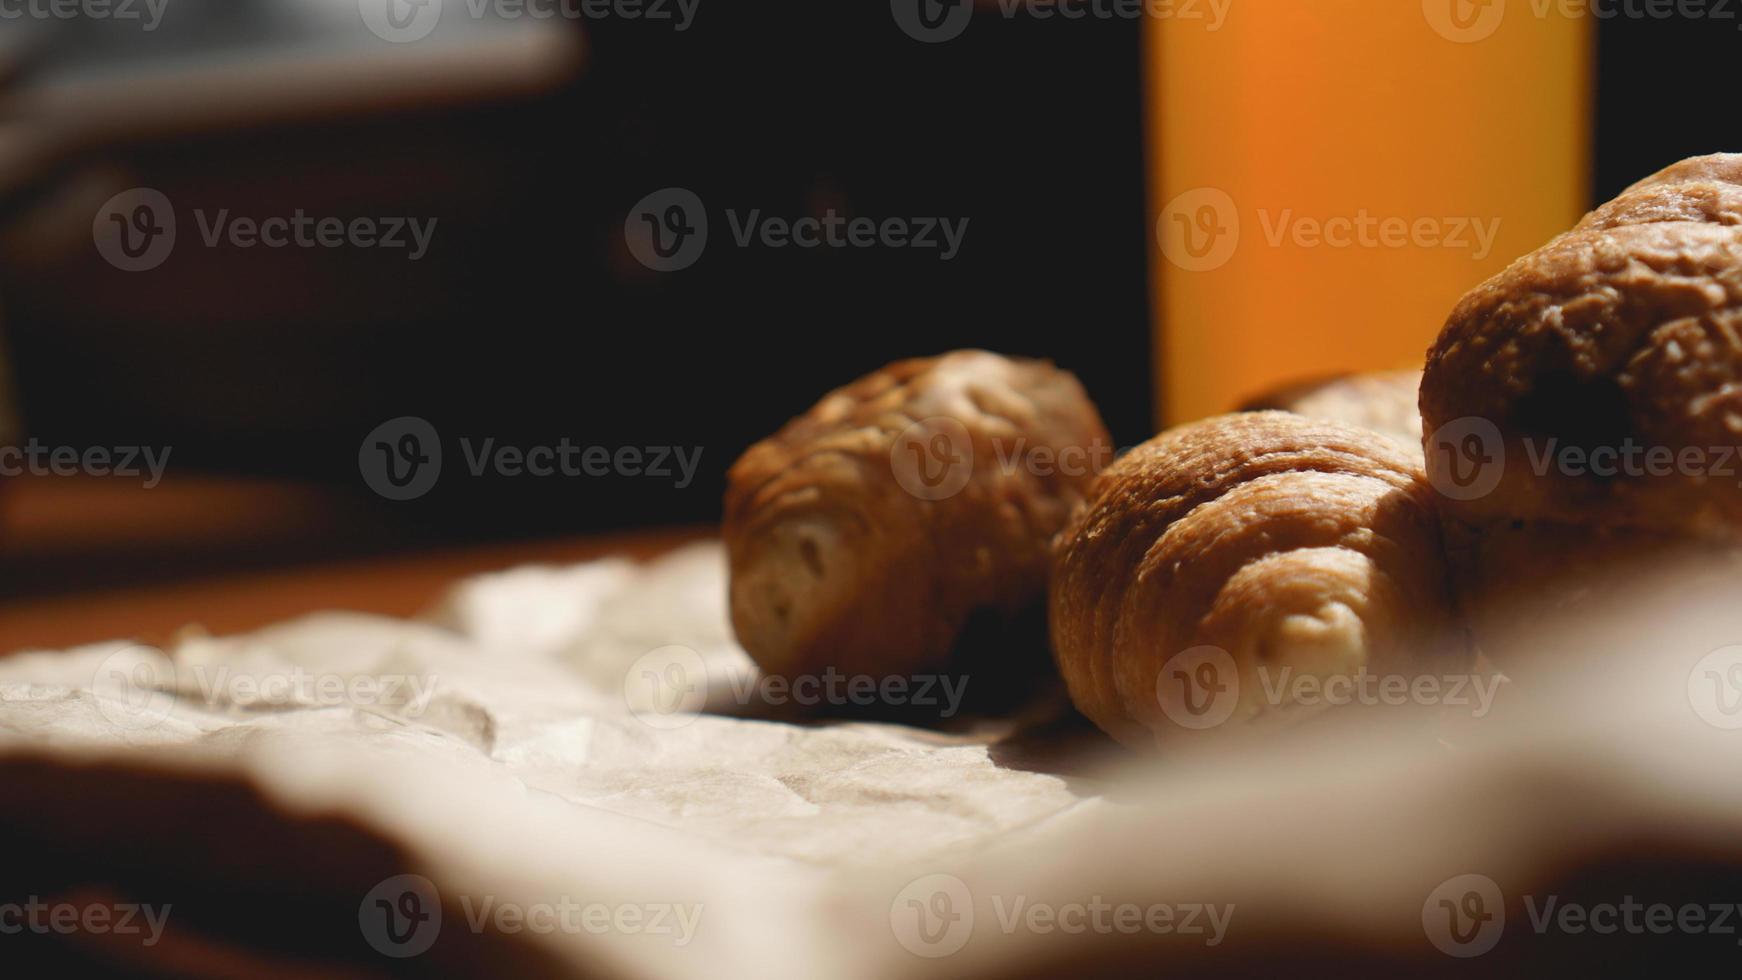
pixel 529 321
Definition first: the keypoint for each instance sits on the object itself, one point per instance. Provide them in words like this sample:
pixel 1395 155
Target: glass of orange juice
pixel 1327 178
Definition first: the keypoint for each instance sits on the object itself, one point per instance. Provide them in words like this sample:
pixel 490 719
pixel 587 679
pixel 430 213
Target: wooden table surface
pixel 67 523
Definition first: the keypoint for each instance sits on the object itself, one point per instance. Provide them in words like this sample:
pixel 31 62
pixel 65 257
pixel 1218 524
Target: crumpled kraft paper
pixel 501 787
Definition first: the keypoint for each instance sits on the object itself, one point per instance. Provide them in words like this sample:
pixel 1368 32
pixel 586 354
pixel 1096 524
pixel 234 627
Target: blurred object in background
pixel 149 68
pixel 1330 177
pixel 528 320
pixel 1649 60
pixel 232 361
pixel 11 432
pixel 525 143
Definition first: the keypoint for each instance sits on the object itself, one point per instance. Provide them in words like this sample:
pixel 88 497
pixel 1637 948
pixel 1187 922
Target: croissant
pixel 1584 406
pixel 1223 561
pixel 866 533
pixel 1384 401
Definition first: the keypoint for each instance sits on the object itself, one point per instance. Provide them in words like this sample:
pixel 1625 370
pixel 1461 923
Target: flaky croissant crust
pixel 1625 331
pixel 1384 401
pixel 1285 541
pixel 834 562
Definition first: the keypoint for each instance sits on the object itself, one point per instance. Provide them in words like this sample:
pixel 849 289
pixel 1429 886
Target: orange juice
pixel 1329 176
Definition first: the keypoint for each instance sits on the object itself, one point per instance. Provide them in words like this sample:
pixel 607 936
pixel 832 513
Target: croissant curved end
pixel 1223 576
pixel 866 533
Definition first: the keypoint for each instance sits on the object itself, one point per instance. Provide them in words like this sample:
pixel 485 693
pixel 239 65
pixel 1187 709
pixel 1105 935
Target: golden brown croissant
pixel 1384 401
pixel 1585 404
pixel 1217 565
pixel 864 534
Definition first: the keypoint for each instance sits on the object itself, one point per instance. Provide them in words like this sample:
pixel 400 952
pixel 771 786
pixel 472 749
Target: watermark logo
pixel 666 688
pixel 401 21
pixel 135 230
pixel 1466 458
pixel 1464 21
pixel 1464 916
pixel 933 459
pixel 932 21
pixel 401 917
pixel 933 916
pixel 401 459
pixel 1715 688
pixel 1198 688
pixel 134 688
pixel 667 230
pixel 1199 230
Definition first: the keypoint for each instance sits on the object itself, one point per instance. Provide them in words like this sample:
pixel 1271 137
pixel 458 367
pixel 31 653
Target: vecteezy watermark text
pixel 936 21
pixel 668 230
pixel 566 915
pixel 934 458
pixel 1632 459
pixel 299 230
pixel 136 231
pixel 1465 916
pixel 401 459
pixel 408 694
pixel 1467 459
pixel 136 687
pixel 405 21
pixel 668 687
pixel 1200 230
pixel 1200 688
pixel 1469 21
pixel 833 230
pixel 935 915
pixel 35 459
pixel 33 915
pixel 148 12
pixel 402 917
